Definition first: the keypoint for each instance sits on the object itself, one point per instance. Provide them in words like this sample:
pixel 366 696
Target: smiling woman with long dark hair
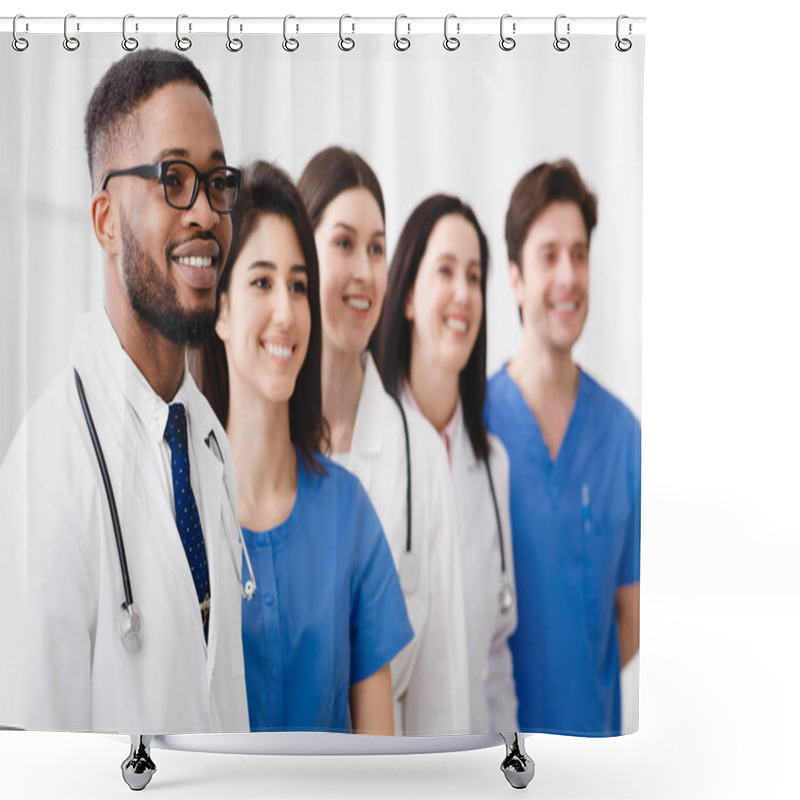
pixel 329 614
pixel 396 455
pixel 432 348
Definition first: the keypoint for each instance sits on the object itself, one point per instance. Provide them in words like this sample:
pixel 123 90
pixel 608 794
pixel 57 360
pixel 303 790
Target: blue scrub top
pixel 328 612
pixel 576 527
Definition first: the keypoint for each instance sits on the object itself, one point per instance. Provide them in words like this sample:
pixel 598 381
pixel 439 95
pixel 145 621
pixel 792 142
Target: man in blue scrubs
pixel 575 460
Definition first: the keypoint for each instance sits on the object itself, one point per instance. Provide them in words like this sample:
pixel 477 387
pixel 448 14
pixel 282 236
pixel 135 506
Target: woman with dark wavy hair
pixel 432 352
pixel 396 455
pixel 329 613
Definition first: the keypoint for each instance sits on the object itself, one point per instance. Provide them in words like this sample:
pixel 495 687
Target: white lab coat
pixel 493 697
pixel 63 664
pixel 429 676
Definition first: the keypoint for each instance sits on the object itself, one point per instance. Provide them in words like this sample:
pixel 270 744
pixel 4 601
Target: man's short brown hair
pixel 535 190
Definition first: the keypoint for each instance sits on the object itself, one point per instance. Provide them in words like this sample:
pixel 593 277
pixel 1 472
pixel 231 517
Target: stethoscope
pixel 129 617
pixel 409 565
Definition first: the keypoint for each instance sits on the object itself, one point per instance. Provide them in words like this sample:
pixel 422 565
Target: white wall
pixel 468 123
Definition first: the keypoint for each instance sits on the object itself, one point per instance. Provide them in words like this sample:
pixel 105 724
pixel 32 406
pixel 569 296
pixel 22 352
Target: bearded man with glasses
pixel 74 656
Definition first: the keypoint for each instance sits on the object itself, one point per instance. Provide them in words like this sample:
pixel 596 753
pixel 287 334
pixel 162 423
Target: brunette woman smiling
pixel 329 614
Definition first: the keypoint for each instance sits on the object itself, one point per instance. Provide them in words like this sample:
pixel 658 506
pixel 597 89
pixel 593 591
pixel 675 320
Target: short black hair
pixel 125 84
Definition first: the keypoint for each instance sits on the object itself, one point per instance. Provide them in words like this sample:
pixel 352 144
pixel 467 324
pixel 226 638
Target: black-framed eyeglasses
pixel 181 181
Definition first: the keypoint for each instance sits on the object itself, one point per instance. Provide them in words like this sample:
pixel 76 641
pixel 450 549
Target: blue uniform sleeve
pixel 629 565
pixel 379 625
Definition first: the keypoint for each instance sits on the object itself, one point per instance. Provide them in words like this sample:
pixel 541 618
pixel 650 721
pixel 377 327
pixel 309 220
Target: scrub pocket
pixel 603 542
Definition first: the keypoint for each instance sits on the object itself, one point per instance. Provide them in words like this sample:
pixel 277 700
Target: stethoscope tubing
pixel 497 517
pixel 408 491
pixel 247 592
pixel 112 503
pixel 408 471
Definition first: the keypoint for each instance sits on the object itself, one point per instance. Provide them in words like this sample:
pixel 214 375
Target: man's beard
pixel 154 298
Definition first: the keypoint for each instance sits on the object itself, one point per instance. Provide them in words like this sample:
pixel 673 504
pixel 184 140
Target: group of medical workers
pixel 274 490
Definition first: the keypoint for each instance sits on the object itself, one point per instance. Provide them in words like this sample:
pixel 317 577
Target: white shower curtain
pixel 468 122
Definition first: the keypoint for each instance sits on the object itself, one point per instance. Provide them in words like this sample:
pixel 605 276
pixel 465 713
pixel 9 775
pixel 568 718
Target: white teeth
pixel 564 307
pixel 458 325
pixel 358 303
pixel 278 351
pixel 201 262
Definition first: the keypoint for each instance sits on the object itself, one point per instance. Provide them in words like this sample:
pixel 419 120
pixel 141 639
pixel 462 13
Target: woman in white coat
pixel 433 352
pixel 368 437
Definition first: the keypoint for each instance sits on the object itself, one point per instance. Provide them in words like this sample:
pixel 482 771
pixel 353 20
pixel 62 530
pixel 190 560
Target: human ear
pixel 515 274
pixel 104 222
pixel 222 325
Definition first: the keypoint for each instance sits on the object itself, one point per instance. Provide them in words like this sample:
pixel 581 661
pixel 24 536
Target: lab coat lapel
pixel 143 503
pixel 145 491
pixel 366 443
pixel 464 467
pixel 209 477
pixel 138 491
pixel 137 477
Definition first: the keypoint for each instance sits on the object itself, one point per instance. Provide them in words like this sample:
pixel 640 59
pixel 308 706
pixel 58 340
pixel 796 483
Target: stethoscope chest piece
pixel 409 573
pixel 506 598
pixel 129 627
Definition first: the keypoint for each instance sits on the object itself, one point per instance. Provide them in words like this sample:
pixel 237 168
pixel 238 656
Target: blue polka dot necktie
pixel 186 514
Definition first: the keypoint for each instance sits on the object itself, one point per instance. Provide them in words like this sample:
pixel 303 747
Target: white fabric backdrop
pixel 468 122
pixel 722 536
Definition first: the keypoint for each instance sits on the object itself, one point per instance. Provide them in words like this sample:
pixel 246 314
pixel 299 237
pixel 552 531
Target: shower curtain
pixel 468 120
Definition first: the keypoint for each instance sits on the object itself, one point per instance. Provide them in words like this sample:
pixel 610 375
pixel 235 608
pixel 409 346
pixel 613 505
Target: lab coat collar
pixel 454 425
pixel 462 445
pixel 367 436
pixel 96 349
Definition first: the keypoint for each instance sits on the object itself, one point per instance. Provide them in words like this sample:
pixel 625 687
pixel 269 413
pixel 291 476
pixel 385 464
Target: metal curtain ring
pixel 290 44
pixel 346 42
pixel 623 45
pixel 70 42
pixel 19 43
pixel 233 44
pixel 507 42
pixel 451 42
pixel 401 42
pixel 129 43
pixel 183 43
pixel 561 43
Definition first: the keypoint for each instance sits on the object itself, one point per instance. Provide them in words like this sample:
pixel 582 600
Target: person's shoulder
pixel 334 487
pixel 48 457
pixel 330 472
pixel 327 477
pixel 55 396
pixel 605 403
pixel 500 393
pixel 49 420
pixel 200 412
pixel 496 384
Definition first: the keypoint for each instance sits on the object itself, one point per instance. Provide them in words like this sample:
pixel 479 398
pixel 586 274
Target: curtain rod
pixel 407 25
